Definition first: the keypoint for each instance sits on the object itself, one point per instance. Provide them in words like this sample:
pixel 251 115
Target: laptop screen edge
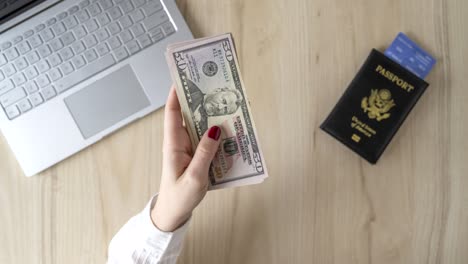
pixel 26 14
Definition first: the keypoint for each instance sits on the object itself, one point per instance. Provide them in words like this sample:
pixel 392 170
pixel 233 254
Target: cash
pixel 211 92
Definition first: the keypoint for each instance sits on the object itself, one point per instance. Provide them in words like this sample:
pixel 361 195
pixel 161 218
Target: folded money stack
pixel 211 92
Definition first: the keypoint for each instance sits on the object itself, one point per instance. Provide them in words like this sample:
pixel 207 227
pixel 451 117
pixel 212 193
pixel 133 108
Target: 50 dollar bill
pixel 211 92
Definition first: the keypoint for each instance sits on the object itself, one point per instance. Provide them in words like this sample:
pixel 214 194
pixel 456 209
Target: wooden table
pixel 322 203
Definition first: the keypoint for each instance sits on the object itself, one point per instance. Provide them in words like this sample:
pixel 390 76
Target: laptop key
pixel 43 66
pixel 11 53
pixel 6 45
pixel 36 99
pixel 12 112
pixel 114 28
pixel 106 4
pixel 90 55
pixel 43 81
pixel 80 32
pixel 121 54
pixel 90 41
pixel 70 22
pixel 59 29
pixel 102 34
pixel 66 53
pixel 12 96
pixel 68 38
pixel 137 30
pixel 62 15
pixel 78 61
pixel 137 15
pixel 152 7
pixel 84 3
pixel 127 6
pixel 94 9
pixel 28 33
pixel 115 12
pixel 54 60
pixel 54 74
pixel 126 22
pixel 39 27
pixel 5 86
pixel 102 49
pixel 35 41
pixel 51 21
pixel 78 47
pixel 84 73
pixel 139 3
pixel 19 79
pixel 24 47
pixel 168 28
pixel 32 57
pixel 67 68
pixel 47 34
pixel 21 63
pixel 9 69
pixel 73 10
pixel 31 87
pixel 133 47
pixel 17 39
pixel 156 34
pixel 103 19
pixel 31 72
pixel 144 41
pixel 155 20
pixel 91 25
pixel 48 92
pixel 24 105
pixel 82 16
pixel 126 36
pixel 44 51
pixel 56 44
pixel 114 42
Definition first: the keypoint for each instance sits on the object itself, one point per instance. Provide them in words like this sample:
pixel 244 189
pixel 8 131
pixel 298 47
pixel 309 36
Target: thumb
pixel 205 153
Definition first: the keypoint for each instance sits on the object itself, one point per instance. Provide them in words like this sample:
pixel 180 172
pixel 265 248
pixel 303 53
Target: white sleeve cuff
pixel 168 242
pixel 140 241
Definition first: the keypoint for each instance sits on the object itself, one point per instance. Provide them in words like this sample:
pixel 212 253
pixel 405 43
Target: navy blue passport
pixel 374 106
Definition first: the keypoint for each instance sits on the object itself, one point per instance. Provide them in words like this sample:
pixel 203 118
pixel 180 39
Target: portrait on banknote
pixel 218 102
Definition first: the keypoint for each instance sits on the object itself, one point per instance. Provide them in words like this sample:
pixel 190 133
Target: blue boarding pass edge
pixel 415 52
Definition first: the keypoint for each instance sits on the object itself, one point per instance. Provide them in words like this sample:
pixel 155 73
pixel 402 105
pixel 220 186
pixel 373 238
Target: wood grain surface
pixel 322 203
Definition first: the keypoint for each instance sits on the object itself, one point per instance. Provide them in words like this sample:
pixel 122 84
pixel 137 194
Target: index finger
pixel 172 116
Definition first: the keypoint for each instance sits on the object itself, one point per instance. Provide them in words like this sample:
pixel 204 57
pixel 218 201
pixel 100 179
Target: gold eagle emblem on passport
pixel 378 104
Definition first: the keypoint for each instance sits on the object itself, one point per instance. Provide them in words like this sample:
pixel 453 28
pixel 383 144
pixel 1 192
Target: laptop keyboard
pixel 71 47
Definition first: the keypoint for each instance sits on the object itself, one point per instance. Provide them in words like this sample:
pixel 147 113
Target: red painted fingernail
pixel 214 133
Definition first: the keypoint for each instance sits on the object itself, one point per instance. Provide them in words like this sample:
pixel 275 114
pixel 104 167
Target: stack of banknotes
pixel 211 92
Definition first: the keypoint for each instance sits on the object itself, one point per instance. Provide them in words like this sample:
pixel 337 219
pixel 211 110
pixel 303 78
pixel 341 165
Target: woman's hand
pixel 184 180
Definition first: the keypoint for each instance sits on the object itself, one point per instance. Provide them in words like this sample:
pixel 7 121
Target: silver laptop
pixel 71 72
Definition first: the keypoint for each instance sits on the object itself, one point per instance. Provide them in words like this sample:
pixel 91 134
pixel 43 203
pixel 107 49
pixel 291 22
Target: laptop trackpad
pixel 105 102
